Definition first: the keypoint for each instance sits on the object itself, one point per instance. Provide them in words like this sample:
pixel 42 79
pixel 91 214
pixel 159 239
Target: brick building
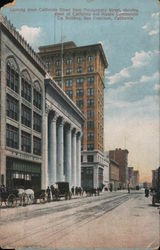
pixel 136 178
pixel 80 72
pixel 121 156
pixel 130 177
pixel 114 174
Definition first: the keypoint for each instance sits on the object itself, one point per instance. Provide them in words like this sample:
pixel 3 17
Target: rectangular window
pixel 69 93
pixel 37 122
pixel 58 72
pixel 37 146
pixel 68 71
pixel 12 136
pixel 90 113
pixel 90 92
pixel 79 92
pixel 79 59
pixel 68 82
pixel 26 92
pixel 90 58
pixel 25 142
pixel 12 79
pixel 90 124
pixel 12 108
pixel 79 103
pixel 79 81
pixel 57 62
pixel 90 103
pixel 90 146
pixel 79 70
pixel 69 61
pixel 90 68
pixel 37 101
pixel 26 116
pixel 90 80
pixel 89 158
pixel 90 136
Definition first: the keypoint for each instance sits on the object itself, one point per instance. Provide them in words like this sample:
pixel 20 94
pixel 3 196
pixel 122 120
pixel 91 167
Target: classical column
pixel 46 149
pixel 68 155
pixel 74 158
pixel 78 172
pixel 60 150
pixel 52 150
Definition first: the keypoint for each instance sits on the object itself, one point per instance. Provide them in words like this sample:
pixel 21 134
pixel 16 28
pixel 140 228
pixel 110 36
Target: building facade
pixel 22 106
pixel 114 175
pixel 136 178
pixel 80 72
pixel 40 126
pixel 63 127
pixel 131 177
pixel 121 156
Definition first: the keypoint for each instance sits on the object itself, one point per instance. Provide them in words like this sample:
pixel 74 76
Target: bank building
pixel 40 126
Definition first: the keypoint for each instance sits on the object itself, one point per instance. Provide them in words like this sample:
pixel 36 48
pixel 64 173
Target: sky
pixel 131 95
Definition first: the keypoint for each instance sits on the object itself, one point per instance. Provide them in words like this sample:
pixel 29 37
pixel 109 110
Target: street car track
pixel 65 223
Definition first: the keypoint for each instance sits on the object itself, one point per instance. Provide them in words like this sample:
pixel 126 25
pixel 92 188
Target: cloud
pixel 141 58
pixel 139 63
pixel 31 34
pixel 152 27
pixel 151 78
pixel 157 87
pixel 124 73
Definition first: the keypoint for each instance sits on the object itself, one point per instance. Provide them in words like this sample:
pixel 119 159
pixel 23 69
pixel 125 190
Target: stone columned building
pixel 40 126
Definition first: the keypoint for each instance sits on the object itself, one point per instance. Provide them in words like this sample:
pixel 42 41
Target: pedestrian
pixel 48 194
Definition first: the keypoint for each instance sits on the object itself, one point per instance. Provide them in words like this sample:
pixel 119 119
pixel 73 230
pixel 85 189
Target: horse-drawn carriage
pixel 40 195
pixel 12 197
pixel 62 190
pixel 8 196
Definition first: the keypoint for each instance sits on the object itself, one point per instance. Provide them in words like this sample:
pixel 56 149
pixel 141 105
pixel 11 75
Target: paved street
pixel 117 219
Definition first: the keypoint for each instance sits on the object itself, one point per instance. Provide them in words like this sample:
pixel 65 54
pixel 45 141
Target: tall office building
pixel 80 72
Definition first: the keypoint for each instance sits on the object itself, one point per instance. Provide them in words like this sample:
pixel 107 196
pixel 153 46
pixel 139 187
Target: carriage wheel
pixel 12 200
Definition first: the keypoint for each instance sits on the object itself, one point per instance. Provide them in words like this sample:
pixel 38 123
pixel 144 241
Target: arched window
pixel 26 88
pixel 37 98
pixel 12 74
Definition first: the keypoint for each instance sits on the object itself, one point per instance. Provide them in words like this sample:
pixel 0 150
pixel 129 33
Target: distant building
pixel 155 178
pixel 79 70
pixel 114 174
pixel 135 178
pixel 121 156
pixel 106 171
pixel 131 177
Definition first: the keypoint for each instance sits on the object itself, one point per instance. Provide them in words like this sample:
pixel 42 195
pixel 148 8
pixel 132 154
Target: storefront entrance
pixel 23 174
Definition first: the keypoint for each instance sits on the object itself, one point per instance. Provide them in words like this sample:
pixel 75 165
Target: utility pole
pixel 61 55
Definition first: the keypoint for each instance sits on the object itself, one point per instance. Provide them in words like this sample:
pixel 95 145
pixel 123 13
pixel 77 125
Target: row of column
pixel 63 154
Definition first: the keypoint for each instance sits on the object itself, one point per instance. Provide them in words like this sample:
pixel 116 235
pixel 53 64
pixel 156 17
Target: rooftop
pixel 72 46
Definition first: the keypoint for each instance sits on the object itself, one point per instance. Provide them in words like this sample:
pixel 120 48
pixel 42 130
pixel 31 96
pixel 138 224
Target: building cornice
pixel 21 43
pixel 49 81
pixel 52 49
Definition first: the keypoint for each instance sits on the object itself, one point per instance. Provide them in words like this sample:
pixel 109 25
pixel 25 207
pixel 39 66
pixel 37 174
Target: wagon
pixel 9 197
pixel 40 195
pixel 63 190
